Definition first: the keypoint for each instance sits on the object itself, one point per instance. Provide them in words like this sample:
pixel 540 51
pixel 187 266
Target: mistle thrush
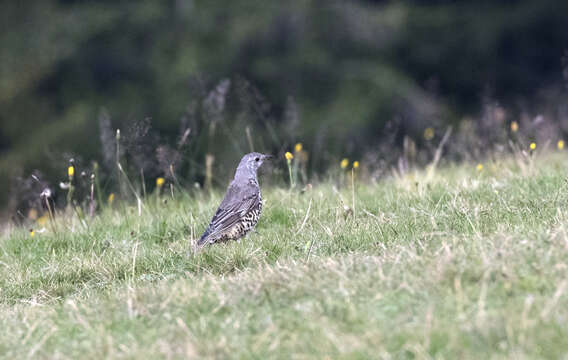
pixel 240 209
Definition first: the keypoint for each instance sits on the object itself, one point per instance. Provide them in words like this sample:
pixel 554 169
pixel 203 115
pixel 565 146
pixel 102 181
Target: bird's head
pixel 251 162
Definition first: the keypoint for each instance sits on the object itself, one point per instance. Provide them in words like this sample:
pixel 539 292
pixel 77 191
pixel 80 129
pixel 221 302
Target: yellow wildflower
pixel 479 167
pixel 355 164
pixel 160 182
pixel 344 163
pixel 32 232
pixel 428 133
pixel 111 198
pixel 288 155
pixel 514 126
pixel 560 144
pixel 71 171
pixel 298 147
pixel 532 146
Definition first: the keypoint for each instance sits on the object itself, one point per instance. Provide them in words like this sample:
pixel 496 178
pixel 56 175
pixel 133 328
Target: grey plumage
pixel 240 209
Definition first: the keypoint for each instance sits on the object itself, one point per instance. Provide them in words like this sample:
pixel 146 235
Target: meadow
pixel 458 262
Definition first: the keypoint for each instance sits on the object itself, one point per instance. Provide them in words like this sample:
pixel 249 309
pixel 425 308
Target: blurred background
pixel 379 81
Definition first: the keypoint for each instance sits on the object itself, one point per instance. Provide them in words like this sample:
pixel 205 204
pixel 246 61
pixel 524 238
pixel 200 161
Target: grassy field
pixel 454 263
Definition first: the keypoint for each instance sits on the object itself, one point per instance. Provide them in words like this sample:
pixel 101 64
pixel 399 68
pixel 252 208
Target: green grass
pixel 451 264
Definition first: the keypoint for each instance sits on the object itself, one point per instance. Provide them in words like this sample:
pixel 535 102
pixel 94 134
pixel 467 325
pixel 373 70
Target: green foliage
pixel 451 263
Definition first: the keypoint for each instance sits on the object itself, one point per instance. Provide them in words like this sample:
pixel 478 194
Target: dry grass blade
pixel 305 218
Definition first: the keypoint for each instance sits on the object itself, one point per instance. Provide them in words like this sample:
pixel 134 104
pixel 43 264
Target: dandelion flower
pixel 532 146
pixel 298 147
pixel 355 164
pixel 479 167
pixel 344 163
pixel 428 133
pixel 514 126
pixel 560 144
pixel 160 182
pixel 288 155
pixel 71 171
pixel 111 198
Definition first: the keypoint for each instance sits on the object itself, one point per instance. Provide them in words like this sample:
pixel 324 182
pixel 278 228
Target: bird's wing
pixel 237 203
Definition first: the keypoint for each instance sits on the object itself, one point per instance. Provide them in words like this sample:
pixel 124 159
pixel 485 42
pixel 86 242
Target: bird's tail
pixel 204 239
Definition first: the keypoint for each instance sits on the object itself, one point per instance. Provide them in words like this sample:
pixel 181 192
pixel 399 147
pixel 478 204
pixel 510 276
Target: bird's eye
pixel 256 159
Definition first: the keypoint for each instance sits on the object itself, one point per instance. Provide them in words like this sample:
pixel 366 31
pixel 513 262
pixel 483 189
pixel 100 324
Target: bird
pixel 241 207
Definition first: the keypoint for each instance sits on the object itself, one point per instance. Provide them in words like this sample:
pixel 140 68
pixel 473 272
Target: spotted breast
pixel 244 225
